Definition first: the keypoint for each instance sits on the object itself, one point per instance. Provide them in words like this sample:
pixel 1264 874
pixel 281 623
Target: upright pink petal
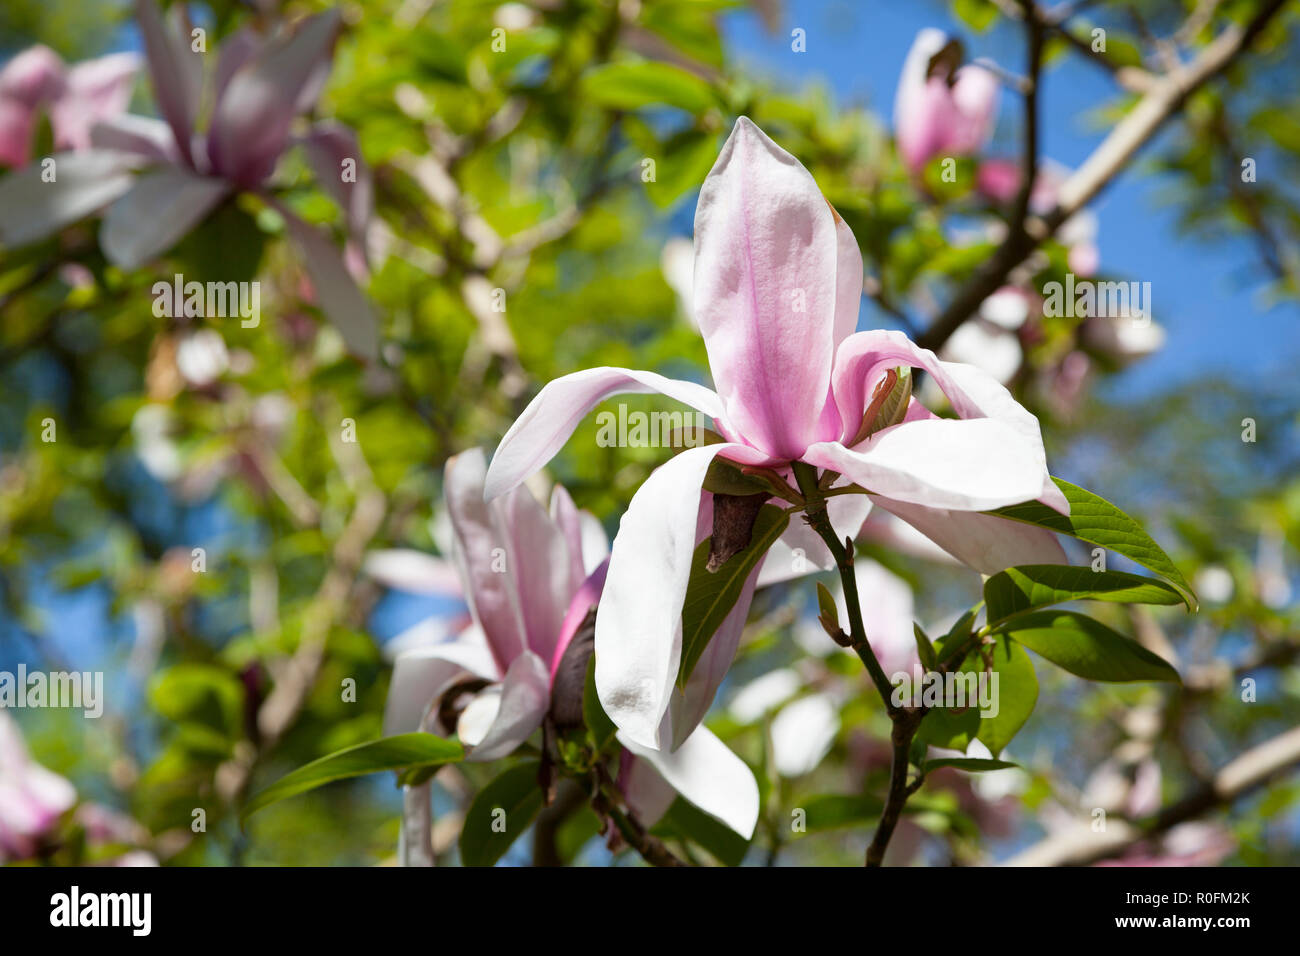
pixel 96 90
pixel 250 125
pixel 17 126
pixel 175 70
pixel 539 557
pixel 484 558
pixel 550 418
pixel 32 77
pixel 340 298
pixel 567 518
pixel 584 599
pixel 767 257
pixel 327 146
pixel 28 81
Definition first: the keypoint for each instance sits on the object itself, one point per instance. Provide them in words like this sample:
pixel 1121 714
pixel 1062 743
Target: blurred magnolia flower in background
pixel 32 799
pixel 36 82
pixel 941 108
pixel 1000 179
pixel 260 85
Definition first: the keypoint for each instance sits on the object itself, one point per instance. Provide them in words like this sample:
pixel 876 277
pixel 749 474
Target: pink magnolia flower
pixel 530 580
pixel 260 86
pixel 778 283
pixel 941 109
pixel 31 798
pixel 37 80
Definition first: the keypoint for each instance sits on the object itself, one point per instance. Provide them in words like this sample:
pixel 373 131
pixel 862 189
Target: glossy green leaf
pixel 1033 586
pixel 600 729
pixel 924 649
pixel 388 753
pixel 1087 647
pixel 500 813
pixel 629 86
pixel 710 596
pixel 1095 520
pixel 1012 699
pixel 969 764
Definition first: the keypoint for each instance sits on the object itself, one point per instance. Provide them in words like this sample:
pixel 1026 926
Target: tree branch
pixel 1165 97
pixel 1254 769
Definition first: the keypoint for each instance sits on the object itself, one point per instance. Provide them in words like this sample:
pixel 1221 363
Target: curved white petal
pixel 709 775
pixel 986 543
pixel 421 674
pixel 639 627
pixel 550 418
pixel 970 465
pixel 493 729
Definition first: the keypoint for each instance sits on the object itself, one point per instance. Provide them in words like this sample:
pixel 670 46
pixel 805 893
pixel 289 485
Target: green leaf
pixel 970 764
pixel 1087 647
pixel 501 812
pixel 894 407
pixel 1013 698
pixel 1033 586
pixel 684 820
pixel 977 14
pixel 388 753
pixel 831 811
pixel 1095 520
pixel 711 596
pixel 725 478
pixel 924 649
pixel 683 166
pixel 600 729
pixel 629 86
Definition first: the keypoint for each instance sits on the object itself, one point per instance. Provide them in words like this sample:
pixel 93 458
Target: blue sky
pixel 1205 295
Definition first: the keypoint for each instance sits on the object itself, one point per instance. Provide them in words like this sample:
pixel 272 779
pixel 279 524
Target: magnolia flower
pixel 31 798
pixel 531 580
pixel 75 98
pixel 261 84
pixel 941 109
pixel 778 283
